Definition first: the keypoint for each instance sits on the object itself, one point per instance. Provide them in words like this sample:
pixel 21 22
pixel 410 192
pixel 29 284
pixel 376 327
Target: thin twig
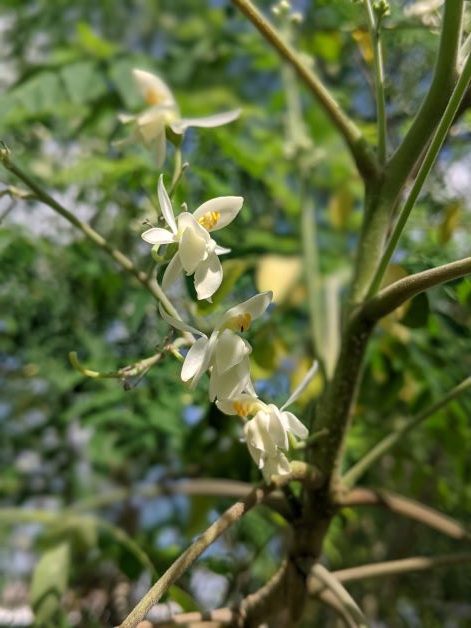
pixel 151 285
pixel 375 35
pixel 361 151
pixel 331 582
pixel 385 444
pixel 405 507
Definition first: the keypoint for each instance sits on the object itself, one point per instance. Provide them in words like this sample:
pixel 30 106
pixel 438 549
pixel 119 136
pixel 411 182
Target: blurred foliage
pixel 66 76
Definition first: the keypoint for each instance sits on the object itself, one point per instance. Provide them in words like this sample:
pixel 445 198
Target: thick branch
pixel 386 443
pixel 399 292
pixel 151 285
pixel 360 149
pixel 300 471
pixel 407 508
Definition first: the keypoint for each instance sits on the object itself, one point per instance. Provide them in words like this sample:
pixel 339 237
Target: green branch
pixel 360 149
pixel 425 168
pixel 394 295
pixel 389 441
pixel 375 35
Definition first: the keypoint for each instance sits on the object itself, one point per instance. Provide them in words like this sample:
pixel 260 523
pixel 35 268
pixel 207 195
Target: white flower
pixel 163 112
pixel 267 433
pixel 224 353
pixel 197 252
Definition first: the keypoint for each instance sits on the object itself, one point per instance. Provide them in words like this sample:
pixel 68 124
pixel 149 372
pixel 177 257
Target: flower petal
pixel 166 205
pixel 178 324
pixel 192 249
pixel 158 236
pixel 241 405
pixel 276 427
pixel 218 212
pixel 218 119
pixel 221 250
pixel 172 273
pixel 194 358
pixel 153 90
pixel 255 307
pixel 150 126
pixel 277 464
pixel 230 350
pixel 160 149
pixel 208 277
pixel 230 383
pixel 302 386
pixel 294 425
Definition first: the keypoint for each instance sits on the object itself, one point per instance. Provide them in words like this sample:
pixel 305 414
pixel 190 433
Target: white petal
pixel 220 211
pixel 153 90
pixel 277 464
pixel 242 405
pixel 255 306
pixel 231 383
pixel 172 273
pixel 178 324
pixel 194 358
pixel 276 428
pixel 160 149
pixel 221 250
pixel 150 126
pixel 230 350
pixel 207 122
pixel 158 236
pixel 208 277
pixel 294 425
pixel 192 249
pixel 126 118
pixel 166 205
pixel 302 386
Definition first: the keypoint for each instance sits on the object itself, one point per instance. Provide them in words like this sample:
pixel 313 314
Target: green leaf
pixel 83 82
pixel 93 43
pixel 49 583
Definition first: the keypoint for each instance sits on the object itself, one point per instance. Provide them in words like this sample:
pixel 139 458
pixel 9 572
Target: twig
pixel 361 151
pixel 389 441
pixel 374 26
pixel 406 508
pixel 151 285
pixel 399 292
pixel 331 582
pixel 431 155
pixel 300 472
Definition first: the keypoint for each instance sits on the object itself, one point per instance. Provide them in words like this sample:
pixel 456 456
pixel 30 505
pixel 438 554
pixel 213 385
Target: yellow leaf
pixel 278 273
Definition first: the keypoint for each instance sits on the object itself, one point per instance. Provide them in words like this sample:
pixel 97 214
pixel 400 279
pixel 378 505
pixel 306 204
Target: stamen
pixel 153 97
pixel 209 220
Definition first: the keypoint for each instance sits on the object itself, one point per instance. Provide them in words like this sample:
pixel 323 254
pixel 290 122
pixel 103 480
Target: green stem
pixel 150 284
pixel 374 29
pixel 425 168
pixel 359 147
pixel 385 444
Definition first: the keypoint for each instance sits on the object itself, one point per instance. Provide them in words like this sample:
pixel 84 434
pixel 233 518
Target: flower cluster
pixel 224 354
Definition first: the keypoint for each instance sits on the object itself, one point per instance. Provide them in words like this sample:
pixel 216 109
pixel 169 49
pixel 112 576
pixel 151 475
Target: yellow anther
pixel 153 97
pixel 209 220
pixel 241 322
pixel 240 408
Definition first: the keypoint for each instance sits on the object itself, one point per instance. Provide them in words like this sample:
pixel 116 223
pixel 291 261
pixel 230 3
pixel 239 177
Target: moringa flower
pixel 163 113
pixel 267 433
pixel 224 353
pixel 197 252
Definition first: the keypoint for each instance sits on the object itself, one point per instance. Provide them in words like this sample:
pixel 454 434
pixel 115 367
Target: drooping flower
pixel 197 251
pixel 224 353
pixel 151 125
pixel 267 433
